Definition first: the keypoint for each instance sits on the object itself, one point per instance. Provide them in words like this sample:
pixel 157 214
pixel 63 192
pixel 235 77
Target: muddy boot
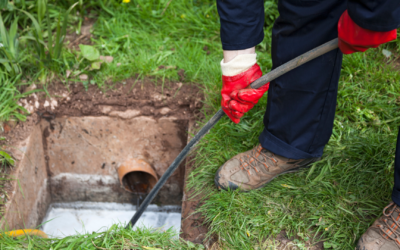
pixel 384 234
pixel 255 168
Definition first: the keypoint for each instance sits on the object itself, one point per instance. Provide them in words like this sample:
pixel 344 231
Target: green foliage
pixel 3 4
pixel 144 35
pixel 9 95
pixel 9 48
pixel 42 27
pixel 5 158
pixel 116 237
pixel 49 54
pixel 89 52
pixel 271 12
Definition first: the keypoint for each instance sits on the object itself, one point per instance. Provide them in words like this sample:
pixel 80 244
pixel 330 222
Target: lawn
pixel 336 199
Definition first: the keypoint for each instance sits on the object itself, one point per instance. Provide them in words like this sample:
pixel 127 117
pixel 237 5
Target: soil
pixel 175 99
pixel 194 228
pixel 14 133
pixel 127 99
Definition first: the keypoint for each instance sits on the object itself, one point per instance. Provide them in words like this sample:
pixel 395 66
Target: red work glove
pixel 237 99
pixel 353 38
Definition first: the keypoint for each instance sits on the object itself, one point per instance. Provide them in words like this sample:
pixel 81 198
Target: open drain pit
pixel 71 182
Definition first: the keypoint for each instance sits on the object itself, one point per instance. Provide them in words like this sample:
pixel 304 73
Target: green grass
pixel 9 95
pixel 116 237
pixel 141 40
pixel 339 197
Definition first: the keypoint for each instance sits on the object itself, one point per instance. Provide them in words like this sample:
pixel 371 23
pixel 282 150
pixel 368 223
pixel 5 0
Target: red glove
pixel 237 99
pixel 353 38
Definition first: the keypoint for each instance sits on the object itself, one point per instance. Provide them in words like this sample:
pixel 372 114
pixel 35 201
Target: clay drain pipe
pixel 292 64
pixel 137 176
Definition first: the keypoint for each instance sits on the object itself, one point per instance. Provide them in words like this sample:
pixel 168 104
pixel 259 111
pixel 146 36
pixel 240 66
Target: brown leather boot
pixel 384 234
pixel 255 168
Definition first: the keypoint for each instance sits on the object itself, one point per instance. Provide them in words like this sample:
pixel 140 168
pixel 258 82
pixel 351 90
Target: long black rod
pixel 294 63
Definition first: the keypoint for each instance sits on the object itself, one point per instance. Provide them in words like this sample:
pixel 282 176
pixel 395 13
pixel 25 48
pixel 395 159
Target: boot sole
pixel 293 170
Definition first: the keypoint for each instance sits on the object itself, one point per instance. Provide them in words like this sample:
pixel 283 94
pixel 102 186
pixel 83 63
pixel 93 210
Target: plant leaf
pixel 89 52
pixel 95 65
pixel 7 157
pixel 3 4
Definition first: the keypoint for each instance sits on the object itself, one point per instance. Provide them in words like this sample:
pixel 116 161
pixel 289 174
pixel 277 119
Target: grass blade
pixel 49 34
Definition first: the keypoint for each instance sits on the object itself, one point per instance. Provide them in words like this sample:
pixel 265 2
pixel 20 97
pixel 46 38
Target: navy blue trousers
pixel 301 104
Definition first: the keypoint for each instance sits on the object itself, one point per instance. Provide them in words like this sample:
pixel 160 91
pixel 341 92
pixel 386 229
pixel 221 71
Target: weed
pixel 5 158
pixel 49 54
pixel 9 96
pixel 9 48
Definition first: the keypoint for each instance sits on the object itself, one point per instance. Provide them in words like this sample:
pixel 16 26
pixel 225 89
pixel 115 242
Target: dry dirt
pixel 127 99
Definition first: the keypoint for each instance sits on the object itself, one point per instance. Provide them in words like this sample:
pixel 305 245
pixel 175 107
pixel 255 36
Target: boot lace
pixel 252 160
pixel 391 232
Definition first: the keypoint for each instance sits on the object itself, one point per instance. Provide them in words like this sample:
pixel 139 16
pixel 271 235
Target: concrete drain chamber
pixel 84 174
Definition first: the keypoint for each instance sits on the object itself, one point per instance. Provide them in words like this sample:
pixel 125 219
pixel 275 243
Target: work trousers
pixel 301 104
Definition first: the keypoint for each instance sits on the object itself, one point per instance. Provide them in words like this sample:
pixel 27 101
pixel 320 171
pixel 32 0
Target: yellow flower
pixel 327 228
pixel 248 234
pixel 126 1
pixel 183 16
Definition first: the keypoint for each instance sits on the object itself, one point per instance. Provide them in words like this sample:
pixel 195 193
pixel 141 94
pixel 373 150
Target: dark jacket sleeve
pixel 242 23
pixel 376 15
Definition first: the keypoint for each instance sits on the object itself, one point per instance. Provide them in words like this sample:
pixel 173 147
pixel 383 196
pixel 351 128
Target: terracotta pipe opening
pixel 137 176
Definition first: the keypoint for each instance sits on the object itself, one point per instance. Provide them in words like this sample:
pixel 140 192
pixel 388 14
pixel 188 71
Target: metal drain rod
pixel 292 64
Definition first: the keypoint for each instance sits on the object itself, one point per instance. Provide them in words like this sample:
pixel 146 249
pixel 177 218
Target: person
pixel 301 104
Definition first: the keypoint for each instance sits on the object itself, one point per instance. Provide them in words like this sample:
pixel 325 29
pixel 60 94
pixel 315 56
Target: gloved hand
pixel 353 38
pixel 237 98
